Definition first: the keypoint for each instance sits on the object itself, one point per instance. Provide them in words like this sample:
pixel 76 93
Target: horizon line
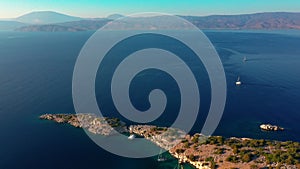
pixel 234 14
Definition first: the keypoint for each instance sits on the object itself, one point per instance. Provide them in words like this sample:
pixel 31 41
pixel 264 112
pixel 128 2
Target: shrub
pixel 192 157
pixel 232 159
pixel 253 166
pixel 213 165
pixel 186 145
pixel 246 157
pixel 179 151
pixel 235 150
pixel 219 151
pixel 209 159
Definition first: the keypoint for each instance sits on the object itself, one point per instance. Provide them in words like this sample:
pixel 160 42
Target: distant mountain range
pixel 11 25
pixel 273 20
pixel 46 17
pixel 52 22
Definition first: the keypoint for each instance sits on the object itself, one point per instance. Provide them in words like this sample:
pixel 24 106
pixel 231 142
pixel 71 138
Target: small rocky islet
pixel 270 127
pixel 200 151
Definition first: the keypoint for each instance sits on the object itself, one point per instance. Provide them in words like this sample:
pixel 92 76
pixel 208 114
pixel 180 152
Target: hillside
pixel 277 20
pixel 52 21
pixel 48 28
pixel 10 25
pixel 46 17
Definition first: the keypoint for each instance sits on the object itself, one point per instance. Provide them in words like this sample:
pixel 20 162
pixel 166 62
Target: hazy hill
pixel 60 22
pixel 10 25
pixel 272 20
pixel 114 16
pixel 46 17
pixel 82 25
pixel 92 24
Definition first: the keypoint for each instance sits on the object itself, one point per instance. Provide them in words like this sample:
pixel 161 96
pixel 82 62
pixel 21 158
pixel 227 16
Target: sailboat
pixel 238 82
pixel 245 59
pixel 160 157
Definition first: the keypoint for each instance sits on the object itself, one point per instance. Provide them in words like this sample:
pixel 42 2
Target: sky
pixel 102 8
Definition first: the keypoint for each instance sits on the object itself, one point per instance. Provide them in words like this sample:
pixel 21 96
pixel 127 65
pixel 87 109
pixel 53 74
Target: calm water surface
pixel 36 77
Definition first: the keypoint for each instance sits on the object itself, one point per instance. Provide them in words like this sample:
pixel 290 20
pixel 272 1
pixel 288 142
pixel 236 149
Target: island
pixel 203 152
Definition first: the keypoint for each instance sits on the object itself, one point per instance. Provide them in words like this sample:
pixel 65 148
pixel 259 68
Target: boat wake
pixel 263 85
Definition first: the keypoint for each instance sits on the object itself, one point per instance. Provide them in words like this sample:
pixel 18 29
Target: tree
pixel 186 145
pixel 246 157
pixel 235 150
pixel 278 166
pixel 253 166
pixel 192 157
pixel 213 165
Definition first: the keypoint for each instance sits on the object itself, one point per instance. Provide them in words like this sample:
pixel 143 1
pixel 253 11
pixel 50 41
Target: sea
pixel 36 72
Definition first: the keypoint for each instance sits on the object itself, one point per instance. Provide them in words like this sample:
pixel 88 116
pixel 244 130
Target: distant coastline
pixel 48 21
pixel 200 151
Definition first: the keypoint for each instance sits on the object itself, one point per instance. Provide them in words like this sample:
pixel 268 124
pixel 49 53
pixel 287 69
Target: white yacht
pixel 131 137
pixel 238 82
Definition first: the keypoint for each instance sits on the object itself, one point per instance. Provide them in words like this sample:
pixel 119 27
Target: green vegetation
pixel 186 145
pixel 209 159
pixel 192 157
pixel 213 165
pixel 113 122
pixel 184 141
pixel 253 166
pixel 233 159
pixel 235 149
pixel 246 157
pixel 195 138
pixel 179 151
pixel 245 150
pixel 219 151
pixel 218 140
pixel 281 157
pixel 158 129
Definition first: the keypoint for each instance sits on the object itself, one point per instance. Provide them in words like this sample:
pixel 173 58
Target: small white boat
pixel 245 59
pixel 238 82
pixel 131 137
pixel 160 157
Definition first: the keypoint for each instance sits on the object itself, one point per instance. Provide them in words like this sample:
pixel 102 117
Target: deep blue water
pixel 36 77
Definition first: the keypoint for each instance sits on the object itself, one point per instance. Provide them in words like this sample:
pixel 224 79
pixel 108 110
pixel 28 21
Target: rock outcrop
pixel 103 126
pixel 269 127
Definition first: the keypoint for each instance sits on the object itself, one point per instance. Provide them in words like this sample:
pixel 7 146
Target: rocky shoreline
pixel 94 124
pixel 200 151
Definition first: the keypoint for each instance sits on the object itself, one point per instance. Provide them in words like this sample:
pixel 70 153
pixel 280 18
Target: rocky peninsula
pixel 94 124
pixel 200 151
